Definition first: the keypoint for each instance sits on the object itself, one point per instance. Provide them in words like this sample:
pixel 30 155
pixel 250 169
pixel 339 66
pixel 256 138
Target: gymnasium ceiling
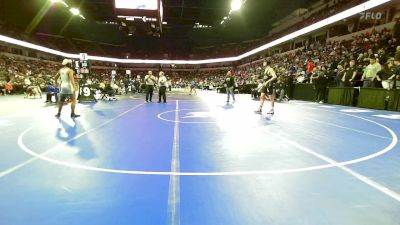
pixel 253 21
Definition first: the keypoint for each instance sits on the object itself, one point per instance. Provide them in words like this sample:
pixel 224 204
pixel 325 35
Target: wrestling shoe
pixel 271 112
pixel 258 111
pixel 73 115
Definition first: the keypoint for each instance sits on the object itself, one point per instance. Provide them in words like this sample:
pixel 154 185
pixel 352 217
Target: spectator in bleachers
pixel 339 75
pixel 382 56
pixel 370 73
pixel 8 87
pixel 310 66
pixel 397 54
pixel 350 74
pixel 320 82
pixel 396 29
pixel 396 72
pixel 385 77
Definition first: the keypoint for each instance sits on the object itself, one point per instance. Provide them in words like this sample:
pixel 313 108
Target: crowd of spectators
pixel 333 64
pixel 19 73
pixel 369 58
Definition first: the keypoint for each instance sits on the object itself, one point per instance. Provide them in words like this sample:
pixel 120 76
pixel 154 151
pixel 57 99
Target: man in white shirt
pixel 150 81
pixel 162 87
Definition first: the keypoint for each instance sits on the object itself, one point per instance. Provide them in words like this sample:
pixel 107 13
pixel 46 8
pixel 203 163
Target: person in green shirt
pixel 370 73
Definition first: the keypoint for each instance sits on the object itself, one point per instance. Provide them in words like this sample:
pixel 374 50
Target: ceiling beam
pixel 182 18
pixel 192 7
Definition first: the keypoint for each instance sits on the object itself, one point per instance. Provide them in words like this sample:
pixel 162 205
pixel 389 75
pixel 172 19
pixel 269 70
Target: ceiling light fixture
pixel 236 5
pixel 74 11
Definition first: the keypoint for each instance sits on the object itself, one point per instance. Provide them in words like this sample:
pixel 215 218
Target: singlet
pixel 230 81
pixel 66 85
pixel 269 74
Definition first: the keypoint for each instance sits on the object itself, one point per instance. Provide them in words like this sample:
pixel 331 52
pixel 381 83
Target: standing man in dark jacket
pixel 320 82
pixel 339 75
pixel 230 86
pixel 150 81
pixel 350 74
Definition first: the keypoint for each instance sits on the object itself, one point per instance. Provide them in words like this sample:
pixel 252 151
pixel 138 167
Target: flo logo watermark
pixel 371 15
